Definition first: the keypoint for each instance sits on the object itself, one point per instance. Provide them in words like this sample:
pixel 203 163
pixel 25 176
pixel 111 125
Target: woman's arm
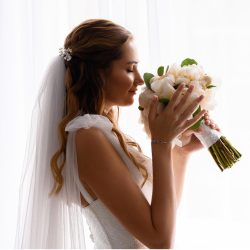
pixel 163 204
pixel 180 162
pixel 181 155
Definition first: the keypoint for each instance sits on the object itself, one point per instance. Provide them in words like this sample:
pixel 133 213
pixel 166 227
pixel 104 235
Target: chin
pixel 126 103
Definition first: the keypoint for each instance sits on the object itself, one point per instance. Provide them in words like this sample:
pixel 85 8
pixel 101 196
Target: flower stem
pixel 224 154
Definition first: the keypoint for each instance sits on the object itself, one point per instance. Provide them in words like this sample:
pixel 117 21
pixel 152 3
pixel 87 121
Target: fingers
pixel 183 100
pixel 209 122
pixel 191 122
pixel 191 108
pixel 175 96
pixel 217 128
pixel 153 108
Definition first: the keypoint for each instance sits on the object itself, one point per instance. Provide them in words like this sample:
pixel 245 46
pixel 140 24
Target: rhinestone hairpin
pixel 65 53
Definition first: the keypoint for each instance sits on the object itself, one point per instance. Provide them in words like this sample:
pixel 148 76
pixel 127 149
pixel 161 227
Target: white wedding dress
pixel 106 230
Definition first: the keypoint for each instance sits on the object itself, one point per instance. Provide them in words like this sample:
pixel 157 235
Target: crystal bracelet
pixel 155 141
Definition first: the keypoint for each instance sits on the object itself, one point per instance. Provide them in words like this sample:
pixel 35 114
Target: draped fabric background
pixel 214 212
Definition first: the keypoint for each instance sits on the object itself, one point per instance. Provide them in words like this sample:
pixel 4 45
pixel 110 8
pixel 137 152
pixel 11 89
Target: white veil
pixel 48 221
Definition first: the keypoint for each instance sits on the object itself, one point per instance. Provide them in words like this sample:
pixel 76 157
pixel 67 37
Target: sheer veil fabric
pixel 45 221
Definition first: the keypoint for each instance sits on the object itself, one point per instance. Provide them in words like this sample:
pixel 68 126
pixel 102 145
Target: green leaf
pixel 197 111
pixel 197 124
pixel 147 77
pixel 164 100
pixel 210 86
pixel 188 61
pixel 140 108
pixel 167 70
pixel 160 71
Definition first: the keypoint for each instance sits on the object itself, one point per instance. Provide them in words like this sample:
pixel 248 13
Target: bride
pixel 81 166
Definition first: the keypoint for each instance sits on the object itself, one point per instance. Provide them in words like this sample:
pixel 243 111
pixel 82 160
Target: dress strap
pixel 88 121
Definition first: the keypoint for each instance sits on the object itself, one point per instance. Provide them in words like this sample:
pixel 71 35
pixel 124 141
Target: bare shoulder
pixel 91 133
pixel 103 170
pixel 95 153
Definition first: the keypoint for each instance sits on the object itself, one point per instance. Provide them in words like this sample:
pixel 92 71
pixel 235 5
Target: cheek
pixel 120 83
pixel 118 86
pixel 126 81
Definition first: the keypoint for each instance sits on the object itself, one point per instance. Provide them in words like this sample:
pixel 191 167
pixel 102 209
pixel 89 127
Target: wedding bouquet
pixel 165 83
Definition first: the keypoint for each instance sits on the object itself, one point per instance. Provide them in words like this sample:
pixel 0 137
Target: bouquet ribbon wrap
pixel 207 136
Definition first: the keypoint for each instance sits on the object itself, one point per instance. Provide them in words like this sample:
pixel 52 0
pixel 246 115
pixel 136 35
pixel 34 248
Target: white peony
pixel 163 87
pixel 174 70
pixel 145 98
pixel 182 79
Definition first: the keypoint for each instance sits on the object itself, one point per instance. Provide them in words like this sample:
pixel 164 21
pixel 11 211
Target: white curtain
pixel 214 212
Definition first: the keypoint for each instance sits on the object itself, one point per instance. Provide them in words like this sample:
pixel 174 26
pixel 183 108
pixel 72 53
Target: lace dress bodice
pixel 106 230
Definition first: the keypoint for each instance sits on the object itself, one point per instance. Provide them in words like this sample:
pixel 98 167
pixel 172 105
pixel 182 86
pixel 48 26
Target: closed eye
pixel 129 70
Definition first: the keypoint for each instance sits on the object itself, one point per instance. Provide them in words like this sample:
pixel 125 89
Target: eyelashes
pixel 129 71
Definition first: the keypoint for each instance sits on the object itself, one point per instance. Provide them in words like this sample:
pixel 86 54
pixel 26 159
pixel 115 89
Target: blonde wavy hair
pixel 95 44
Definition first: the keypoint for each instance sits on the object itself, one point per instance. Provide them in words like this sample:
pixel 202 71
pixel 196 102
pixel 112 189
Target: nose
pixel 139 80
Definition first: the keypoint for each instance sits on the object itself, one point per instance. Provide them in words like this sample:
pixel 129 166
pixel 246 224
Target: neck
pixel 107 109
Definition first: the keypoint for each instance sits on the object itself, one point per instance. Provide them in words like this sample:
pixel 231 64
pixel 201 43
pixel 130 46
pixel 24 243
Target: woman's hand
pixel 210 122
pixel 173 120
pixel 190 141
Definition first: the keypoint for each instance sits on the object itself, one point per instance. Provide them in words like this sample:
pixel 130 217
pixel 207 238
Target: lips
pixel 133 91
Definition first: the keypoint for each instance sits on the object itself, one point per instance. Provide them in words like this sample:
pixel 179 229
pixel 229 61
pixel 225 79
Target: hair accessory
pixel 65 53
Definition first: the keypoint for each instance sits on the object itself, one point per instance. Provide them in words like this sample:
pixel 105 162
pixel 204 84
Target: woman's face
pixel 123 78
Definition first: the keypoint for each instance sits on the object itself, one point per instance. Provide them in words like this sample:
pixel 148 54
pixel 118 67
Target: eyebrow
pixel 131 62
